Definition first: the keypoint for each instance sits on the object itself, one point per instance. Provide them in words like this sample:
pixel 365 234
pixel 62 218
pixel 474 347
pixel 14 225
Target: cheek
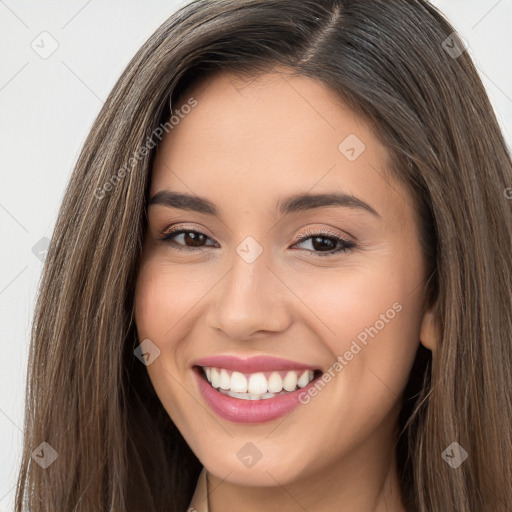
pixel 371 318
pixel 370 324
pixel 164 296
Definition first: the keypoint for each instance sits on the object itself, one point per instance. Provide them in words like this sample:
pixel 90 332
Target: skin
pixel 246 145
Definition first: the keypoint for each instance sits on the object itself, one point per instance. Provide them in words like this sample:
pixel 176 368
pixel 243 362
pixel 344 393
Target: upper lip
pixel 251 364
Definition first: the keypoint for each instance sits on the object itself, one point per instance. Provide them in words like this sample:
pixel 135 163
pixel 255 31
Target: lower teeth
pixel 250 396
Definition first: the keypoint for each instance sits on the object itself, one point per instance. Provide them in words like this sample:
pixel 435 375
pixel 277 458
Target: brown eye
pixel 326 244
pixel 190 238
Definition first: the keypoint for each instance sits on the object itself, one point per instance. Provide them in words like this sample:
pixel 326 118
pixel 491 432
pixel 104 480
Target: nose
pixel 249 300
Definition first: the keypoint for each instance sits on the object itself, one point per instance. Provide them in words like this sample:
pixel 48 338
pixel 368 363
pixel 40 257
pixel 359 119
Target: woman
pixel 280 277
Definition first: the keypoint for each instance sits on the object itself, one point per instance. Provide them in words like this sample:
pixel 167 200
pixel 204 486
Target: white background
pixel 47 107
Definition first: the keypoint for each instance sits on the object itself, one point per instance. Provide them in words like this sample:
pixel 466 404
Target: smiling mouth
pixel 256 386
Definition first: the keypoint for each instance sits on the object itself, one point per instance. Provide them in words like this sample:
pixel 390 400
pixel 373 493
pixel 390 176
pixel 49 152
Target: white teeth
pixel 215 378
pixel 305 378
pixel 247 396
pixel 290 381
pixel 225 380
pixel 257 384
pixel 238 383
pixel 243 396
pixel 275 383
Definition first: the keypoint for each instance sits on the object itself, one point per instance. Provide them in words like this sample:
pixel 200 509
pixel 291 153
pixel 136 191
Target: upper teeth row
pixel 257 383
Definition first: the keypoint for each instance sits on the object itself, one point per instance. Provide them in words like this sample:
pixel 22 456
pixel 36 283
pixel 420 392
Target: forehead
pixel 272 135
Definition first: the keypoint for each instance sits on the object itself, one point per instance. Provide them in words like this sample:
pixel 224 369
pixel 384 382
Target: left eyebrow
pixel 295 203
pixel 301 202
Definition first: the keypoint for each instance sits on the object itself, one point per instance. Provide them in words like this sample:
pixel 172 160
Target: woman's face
pixel 295 257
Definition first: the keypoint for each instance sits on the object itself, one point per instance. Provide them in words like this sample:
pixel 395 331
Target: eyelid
pixel 305 234
pixel 309 232
pixel 185 227
pixel 346 245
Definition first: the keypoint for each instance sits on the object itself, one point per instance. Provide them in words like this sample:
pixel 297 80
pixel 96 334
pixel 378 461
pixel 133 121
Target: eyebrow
pixel 295 203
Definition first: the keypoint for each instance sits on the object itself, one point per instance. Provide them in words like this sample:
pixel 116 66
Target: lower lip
pixel 248 411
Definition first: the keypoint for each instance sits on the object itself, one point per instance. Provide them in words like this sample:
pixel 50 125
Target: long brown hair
pixel 90 398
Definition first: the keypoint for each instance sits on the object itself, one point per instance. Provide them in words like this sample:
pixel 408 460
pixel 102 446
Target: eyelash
pixel 345 245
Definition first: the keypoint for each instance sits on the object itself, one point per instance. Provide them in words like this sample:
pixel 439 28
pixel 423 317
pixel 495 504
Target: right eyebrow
pixel 183 202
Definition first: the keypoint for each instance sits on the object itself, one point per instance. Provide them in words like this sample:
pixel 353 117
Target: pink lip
pixel 251 364
pixel 248 411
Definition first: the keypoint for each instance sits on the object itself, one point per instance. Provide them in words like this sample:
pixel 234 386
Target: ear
pixel 429 336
